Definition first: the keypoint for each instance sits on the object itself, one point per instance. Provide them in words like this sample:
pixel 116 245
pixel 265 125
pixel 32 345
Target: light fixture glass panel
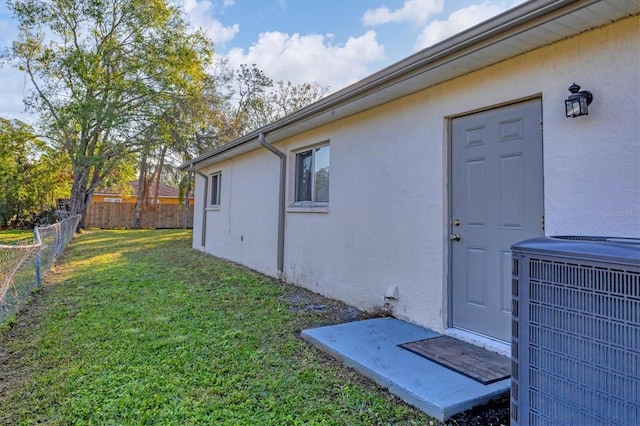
pixel 584 109
pixel 572 107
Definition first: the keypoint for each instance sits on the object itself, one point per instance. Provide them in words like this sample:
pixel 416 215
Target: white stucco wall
pixel 592 164
pixel 386 224
pixel 243 228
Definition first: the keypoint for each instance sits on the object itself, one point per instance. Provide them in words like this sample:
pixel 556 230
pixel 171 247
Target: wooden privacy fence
pixel 122 215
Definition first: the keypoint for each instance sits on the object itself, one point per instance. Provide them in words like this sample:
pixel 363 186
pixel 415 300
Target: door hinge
pixel 542 222
pixel 541 124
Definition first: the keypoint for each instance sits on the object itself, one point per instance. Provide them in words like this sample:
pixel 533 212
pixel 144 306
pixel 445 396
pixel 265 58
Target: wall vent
pixel 576 331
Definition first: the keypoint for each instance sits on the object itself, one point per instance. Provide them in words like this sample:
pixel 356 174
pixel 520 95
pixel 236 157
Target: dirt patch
pixel 329 311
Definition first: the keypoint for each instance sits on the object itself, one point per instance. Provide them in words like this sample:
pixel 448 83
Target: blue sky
pixel 332 42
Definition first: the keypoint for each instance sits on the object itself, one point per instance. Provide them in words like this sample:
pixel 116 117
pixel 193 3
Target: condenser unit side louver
pixel 576 331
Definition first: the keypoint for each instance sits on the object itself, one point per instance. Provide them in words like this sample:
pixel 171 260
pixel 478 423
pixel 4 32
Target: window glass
pixel 303 176
pixel 321 170
pixel 312 175
pixel 215 189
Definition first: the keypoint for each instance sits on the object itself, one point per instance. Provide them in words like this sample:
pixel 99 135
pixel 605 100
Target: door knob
pixel 454 237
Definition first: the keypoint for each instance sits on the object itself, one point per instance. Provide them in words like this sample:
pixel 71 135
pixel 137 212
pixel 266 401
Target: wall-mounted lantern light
pixel 577 103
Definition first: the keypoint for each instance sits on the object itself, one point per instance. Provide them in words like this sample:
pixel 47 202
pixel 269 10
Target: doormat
pixel 474 362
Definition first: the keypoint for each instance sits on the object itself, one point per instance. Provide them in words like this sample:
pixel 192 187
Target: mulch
pixel 495 413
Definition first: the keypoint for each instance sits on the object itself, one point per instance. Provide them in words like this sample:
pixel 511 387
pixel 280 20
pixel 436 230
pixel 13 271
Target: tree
pixel 248 101
pixel 287 97
pixel 32 176
pixel 176 131
pixel 252 110
pixel 255 101
pixel 102 72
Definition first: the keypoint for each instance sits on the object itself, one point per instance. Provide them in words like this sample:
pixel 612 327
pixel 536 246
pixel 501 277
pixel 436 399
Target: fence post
pixel 59 242
pixel 36 233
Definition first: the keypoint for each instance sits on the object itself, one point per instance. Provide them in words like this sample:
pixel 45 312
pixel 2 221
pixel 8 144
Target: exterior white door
pixel 496 201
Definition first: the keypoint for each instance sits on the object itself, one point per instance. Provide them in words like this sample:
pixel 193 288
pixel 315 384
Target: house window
pixel 312 175
pixel 216 181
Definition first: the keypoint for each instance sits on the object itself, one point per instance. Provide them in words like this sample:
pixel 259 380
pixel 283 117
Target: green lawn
pixel 14 236
pixel 134 327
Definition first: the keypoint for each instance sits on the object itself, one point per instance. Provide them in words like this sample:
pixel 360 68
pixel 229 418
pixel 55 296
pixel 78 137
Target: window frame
pixel 298 157
pixel 215 182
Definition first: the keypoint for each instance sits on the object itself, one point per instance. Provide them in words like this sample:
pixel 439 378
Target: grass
pixel 134 327
pixel 16 235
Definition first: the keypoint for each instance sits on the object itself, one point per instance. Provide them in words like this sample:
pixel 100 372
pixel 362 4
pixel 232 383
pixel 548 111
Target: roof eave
pixel 526 16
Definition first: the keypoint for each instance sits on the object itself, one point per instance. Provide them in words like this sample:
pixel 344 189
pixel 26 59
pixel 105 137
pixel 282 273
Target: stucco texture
pixel 386 225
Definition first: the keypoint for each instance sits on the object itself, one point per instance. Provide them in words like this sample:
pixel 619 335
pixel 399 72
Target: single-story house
pixel 166 194
pixel 404 192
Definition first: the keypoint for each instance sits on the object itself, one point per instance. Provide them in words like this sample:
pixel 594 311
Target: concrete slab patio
pixel 371 348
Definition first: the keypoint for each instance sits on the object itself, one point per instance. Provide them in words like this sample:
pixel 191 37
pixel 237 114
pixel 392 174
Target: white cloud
pixel 200 15
pixel 415 11
pixel 458 21
pixel 310 58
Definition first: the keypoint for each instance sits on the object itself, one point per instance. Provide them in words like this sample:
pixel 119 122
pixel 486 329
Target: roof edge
pixel 502 24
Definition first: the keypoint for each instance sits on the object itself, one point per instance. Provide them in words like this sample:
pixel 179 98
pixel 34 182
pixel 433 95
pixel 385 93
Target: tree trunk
pixel 185 207
pixel 141 191
pixel 158 174
pixel 79 196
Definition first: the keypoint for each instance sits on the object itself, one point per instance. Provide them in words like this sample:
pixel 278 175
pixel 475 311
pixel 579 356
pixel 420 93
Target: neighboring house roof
pixel 163 190
pixel 526 27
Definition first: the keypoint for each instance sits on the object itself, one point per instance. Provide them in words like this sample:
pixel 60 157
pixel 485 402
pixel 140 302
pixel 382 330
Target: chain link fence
pixel 23 265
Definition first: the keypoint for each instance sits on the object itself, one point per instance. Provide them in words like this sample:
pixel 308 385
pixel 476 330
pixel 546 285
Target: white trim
pixel 312 149
pixel 299 208
pixel 485 342
pixel 215 205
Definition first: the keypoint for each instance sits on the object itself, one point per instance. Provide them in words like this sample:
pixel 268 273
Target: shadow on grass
pixel 135 327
